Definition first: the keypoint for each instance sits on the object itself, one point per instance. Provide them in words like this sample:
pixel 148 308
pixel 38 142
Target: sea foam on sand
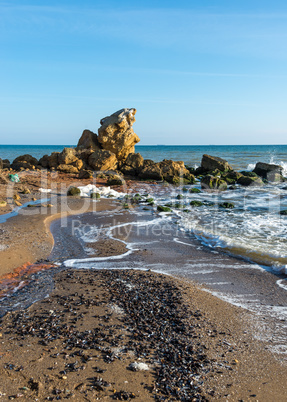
pixel 87 190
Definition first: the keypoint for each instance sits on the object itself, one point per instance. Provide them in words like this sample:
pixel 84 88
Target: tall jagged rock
pixel 117 135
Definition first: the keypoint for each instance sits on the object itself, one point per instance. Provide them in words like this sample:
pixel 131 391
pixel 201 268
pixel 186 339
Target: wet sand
pixel 195 345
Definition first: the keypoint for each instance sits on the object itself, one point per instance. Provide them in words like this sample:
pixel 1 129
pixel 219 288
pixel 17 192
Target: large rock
pixel 1 164
pixel 53 160
pixel 44 161
pixel 117 135
pixel 171 169
pixel 6 164
pixel 210 182
pixel 210 163
pixel 67 156
pixel 151 170
pixel 269 171
pixel 24 161
pixel 168 170
pixel 67 168
pixel 103 160
pixel 250 181
pixel 88 140
pixel 133 164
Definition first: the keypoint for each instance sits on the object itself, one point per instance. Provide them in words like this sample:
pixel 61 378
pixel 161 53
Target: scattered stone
pixel 162 208
pixel 115 181
pixel 73 191
pixel 95 196
pixel 196 203
pixel 26 191
pixel 228 205
pixel 283 212
pixel 195 190
pixel 85 174
pixel 3 204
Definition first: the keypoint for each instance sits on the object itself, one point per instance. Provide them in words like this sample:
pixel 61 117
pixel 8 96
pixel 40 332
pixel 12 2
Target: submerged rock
pixel 227 205
pixel 196 203
pixel 162 208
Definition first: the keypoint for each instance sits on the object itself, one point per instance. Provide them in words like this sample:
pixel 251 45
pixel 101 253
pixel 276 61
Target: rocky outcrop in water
pixel 269 171
pixel 210 163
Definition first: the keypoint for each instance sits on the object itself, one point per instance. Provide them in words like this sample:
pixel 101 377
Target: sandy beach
pixel 117 334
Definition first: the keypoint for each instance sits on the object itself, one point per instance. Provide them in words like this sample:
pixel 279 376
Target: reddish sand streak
pixel 20 275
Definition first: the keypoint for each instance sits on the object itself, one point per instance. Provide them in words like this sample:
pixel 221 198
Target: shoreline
pixel 220 314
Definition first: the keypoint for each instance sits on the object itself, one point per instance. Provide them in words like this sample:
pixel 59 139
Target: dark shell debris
pixel 162 333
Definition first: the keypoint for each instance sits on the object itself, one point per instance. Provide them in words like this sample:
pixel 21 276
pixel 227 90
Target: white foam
pixel 73 263
pixel 45 190
pixel 182 242
pixel 139 366
pixel 282 283
pixel 87 190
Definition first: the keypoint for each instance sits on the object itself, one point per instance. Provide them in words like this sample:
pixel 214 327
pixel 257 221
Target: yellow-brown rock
pixel 88 140
pixel 103 160
pixel 67 168
pixel 67 156
pixel 117 135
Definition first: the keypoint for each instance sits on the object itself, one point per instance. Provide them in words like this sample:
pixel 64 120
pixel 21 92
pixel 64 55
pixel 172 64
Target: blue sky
pixel 198 72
